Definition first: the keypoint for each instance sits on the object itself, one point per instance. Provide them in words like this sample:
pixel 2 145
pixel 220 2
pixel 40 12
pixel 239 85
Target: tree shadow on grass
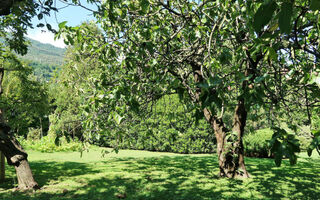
pixel 49 172
pixel 300 181
pixel 181 177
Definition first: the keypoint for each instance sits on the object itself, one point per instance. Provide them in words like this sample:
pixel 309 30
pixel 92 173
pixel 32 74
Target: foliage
pixel 24 100
pixel 16 19
pixel 168 126
pixel 257 144
pixel 214 54
pixel 154 176
pixel 284 144
pixel 43 72
pixel 304 142
pixel 165 124
pixel 315 144
pixel 70 88
pixel 35 134
pixel 48 144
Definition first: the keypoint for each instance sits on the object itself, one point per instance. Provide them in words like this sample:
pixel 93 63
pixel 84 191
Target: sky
pixel 74 15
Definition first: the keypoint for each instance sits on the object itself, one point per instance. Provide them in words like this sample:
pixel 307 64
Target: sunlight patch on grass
pixel 152 175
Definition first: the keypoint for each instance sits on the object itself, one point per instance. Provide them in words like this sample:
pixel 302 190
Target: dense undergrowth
pixel 50 144
pixel 256 144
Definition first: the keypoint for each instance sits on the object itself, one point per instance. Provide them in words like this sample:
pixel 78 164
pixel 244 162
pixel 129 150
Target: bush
pixel 34 134
pixel 170 128
pixel 304 142
pixel 256 144
pixel 48 144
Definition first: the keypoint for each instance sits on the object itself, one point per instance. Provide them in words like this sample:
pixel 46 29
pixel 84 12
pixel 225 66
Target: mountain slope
pixel 43 58
pixel 44 53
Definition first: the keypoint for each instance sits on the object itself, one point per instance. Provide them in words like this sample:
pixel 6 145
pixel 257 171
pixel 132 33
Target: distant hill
pixel 44 53
pixel 44 58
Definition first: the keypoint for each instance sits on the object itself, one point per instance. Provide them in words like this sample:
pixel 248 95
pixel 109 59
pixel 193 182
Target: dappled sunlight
pixel 168 177
pixel 299 181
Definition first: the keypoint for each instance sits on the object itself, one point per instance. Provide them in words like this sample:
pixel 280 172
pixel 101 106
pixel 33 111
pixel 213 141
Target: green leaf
pixel 70 39
pixel 40 25
pixel 198 34
pixel 144 5
pixel 315 5
pixel 203 85
pixel 316 133
pixel 214 81
pixel 315 79
pixel 285 17
pixel 49 27
pixel 118 11
pixel 62 24
pixel 117 118
pixel 272 54
pixel 264 15
pixel 245 78
pixel 40 16
pixel 204 20
pixel 261 78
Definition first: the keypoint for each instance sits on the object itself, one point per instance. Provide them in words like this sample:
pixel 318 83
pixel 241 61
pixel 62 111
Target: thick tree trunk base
pixel 17 157
pixel 231 165
pixel 24 176
pixel 237 174
pixel 241 174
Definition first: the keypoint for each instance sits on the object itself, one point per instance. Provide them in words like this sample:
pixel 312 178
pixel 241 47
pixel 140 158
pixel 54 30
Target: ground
pixel 164 176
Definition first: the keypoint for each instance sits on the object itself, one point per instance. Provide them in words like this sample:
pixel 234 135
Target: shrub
pixel 170 128
pixel 48 144
pixel 256 144
pixel 304 142
pixel 34 134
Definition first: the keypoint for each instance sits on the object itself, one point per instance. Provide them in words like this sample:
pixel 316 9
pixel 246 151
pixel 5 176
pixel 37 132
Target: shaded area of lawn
pixel 169 177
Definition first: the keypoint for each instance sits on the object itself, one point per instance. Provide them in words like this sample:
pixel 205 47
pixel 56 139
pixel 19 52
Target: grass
pixel 163 176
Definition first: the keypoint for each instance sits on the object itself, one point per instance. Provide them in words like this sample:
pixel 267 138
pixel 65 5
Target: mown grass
pixel 152 175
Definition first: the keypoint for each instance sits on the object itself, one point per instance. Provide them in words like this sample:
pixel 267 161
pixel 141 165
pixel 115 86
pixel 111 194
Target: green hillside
pixel 44 58
pixel 44 53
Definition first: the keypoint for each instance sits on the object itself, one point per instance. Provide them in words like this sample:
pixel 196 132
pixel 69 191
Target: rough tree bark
pixel 239 123
pixel 17 157
pixel 231 161
pixel 15 154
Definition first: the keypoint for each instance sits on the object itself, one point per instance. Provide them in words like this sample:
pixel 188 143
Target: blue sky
pixel 74 15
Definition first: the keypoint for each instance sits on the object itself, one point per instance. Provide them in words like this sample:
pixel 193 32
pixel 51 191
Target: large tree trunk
pixel 230 153
pixel 17 157
pixel 239 123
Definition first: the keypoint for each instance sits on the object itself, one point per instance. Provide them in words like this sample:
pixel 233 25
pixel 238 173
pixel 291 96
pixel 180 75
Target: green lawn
pixel 163 176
